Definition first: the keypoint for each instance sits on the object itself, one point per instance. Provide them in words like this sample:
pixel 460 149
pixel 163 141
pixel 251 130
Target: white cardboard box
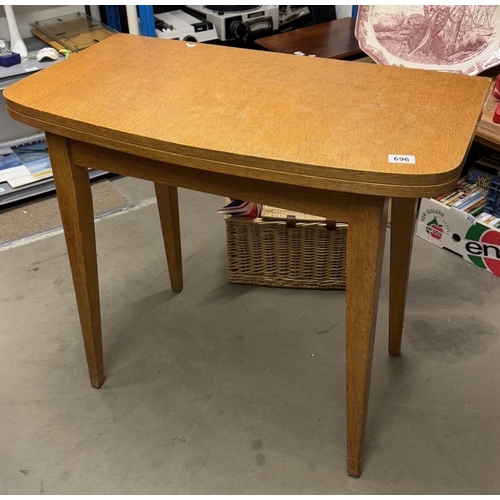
pixel 460 232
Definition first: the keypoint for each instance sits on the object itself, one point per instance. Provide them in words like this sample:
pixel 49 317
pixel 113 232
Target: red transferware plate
pixel 456 38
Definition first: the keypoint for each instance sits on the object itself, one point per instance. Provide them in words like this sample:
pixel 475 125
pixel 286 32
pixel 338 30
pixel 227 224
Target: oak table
pixel 307 134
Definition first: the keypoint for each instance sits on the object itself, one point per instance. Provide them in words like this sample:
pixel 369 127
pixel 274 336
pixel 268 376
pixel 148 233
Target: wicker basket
pixel 286 249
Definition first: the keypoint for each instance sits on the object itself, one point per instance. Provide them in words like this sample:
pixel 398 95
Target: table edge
pixel 343 180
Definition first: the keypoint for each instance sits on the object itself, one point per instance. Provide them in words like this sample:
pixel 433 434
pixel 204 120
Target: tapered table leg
pixel 75 203
pixel 365 246
pixel 403 216
pixel 168 208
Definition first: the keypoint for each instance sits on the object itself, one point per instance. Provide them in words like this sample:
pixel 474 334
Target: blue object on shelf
pixel 493 199
pixel 354 11
pixel 147 19
pixel 113 17
pixel 8 60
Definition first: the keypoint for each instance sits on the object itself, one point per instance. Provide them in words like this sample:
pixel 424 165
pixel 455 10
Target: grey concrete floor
pixel 236 389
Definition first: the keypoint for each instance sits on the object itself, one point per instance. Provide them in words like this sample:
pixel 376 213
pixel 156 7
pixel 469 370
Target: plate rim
pixel 382 56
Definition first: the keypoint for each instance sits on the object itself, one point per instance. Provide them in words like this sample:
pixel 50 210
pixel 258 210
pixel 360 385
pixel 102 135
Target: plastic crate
pixel 113 17
pixel 493 199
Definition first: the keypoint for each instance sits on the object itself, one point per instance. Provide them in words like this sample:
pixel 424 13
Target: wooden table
pixel 307 134
pixel 332 39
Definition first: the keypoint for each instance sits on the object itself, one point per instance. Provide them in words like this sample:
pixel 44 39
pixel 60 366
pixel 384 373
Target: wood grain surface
pixel 317 117
pixel 365 247
pixel 75 202
pixel 333 39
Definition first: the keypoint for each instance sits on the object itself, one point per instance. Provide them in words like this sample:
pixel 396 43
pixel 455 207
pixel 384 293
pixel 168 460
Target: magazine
pixel 25 163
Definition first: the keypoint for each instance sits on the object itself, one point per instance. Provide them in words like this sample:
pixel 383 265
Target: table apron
pixel 321 202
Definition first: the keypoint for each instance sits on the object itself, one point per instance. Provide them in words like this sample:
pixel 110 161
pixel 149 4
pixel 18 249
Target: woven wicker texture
pixel 273 213
pixel 268 253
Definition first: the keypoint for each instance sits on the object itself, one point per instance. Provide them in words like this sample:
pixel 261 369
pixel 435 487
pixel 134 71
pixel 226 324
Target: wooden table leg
pixel 365 246
pixel 403 216
pixel 168 208
pixel 75 203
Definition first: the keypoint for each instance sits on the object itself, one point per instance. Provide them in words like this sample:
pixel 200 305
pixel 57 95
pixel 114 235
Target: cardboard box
pixel 460 232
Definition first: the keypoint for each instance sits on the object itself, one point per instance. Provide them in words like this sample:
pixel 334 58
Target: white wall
pixel 343 11
pixel 26 14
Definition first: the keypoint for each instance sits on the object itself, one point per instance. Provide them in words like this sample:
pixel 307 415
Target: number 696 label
pixel 401 159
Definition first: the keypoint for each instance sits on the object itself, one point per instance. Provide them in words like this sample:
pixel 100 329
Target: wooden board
pixel 47 39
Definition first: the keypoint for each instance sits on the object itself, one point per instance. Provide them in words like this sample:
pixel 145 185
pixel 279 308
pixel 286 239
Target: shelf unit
pixel 13 132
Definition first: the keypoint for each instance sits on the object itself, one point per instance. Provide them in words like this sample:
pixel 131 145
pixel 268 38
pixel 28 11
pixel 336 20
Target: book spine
pixel 478 209
pixel 466 196
pixel 457 195
pixel 461 182
pixel 471 200
pixel 475 206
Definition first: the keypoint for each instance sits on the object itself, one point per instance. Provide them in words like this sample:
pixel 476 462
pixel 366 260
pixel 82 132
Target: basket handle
pixel 331 225
pixel 291 223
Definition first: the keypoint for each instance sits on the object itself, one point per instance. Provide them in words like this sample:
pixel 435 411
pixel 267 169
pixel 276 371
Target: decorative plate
pixel 456 38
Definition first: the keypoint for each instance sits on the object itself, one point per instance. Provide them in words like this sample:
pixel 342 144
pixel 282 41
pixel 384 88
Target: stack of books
pixel 468 196
pixel 471 195
pixel 488 219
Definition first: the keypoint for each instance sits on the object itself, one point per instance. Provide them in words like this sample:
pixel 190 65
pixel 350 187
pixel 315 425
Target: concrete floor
pixel 236 389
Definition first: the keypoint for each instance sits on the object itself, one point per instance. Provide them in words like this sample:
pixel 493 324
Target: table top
pixel 332 39
pixel 321 120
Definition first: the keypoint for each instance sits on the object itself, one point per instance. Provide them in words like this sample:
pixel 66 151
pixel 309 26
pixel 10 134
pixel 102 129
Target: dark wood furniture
pixel 333 39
